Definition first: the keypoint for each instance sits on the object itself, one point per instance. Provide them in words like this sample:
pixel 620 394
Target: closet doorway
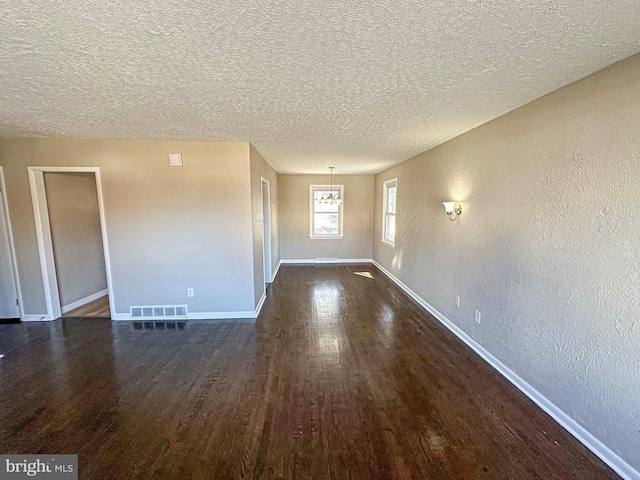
pixel 72 241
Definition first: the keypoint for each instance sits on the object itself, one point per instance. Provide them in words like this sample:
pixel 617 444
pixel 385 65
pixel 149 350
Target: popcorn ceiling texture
pixel 359 85
pixel 546 248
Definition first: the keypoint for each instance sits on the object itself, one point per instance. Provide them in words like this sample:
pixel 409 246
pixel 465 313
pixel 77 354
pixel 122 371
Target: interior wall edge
pixel 12 245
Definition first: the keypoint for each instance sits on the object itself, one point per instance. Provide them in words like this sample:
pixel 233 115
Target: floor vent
pixel 158 311
pixel 326 260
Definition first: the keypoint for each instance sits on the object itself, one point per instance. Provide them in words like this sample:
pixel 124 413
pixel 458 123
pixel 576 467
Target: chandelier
pixel 331 197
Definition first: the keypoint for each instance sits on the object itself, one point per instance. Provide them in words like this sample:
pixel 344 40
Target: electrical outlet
pixel 190 292
pixel 478 316
pixel 456 299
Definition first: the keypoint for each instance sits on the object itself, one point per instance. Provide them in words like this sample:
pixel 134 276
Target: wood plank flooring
pixel 97 309
pixel 341 377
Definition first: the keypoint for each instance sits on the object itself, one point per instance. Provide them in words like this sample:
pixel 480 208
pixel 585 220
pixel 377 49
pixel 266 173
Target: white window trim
pixel 393 182
pixel 313 236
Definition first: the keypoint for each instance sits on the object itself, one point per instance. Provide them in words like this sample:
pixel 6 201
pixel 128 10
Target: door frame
pixel 12 248
pixel 267 261
pixel 43 234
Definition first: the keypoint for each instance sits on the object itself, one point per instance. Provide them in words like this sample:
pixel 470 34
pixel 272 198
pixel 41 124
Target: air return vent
pixel 158 311
pixel 326 260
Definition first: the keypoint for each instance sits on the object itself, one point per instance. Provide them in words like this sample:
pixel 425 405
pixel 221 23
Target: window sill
pixel 388 243
pixel 326 237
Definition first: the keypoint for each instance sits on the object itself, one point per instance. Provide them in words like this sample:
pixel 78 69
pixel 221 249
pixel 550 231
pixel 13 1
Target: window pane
pixel 325 217
pixel 390 231
pixel 326 207
pixel 391 200
pixel 325 224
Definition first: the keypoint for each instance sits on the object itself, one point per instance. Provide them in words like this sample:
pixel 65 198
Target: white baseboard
pixel 314 261
pixel 609 457
pixel 249 314
pixel 84 301
pixel 260 303
pixel 36 317
pixel 275 272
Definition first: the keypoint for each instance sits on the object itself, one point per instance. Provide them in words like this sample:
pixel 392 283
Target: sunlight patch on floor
pixel 363 274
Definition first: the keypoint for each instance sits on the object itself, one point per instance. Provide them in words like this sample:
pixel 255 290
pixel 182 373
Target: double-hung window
pixel 389 211
pixel 325 217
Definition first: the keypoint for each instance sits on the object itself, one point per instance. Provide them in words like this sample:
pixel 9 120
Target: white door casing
pixel 266 230
pixel 43 235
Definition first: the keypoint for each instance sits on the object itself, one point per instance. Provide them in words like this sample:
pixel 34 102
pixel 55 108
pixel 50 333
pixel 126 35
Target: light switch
pixel 175 159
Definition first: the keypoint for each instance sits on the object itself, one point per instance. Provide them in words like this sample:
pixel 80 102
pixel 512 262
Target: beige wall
pixel 168 228
pixel 295 243
pixel 261 169
pixel 547 247
pixel 74 216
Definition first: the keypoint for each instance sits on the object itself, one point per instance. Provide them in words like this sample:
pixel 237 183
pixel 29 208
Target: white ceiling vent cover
pixel 149 312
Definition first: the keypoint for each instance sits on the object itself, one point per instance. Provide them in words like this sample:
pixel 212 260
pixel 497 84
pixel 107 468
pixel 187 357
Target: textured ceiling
pixel 358 85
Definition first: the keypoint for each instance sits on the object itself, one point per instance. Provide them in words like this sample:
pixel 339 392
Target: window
pixel 326 218
pixel 389 212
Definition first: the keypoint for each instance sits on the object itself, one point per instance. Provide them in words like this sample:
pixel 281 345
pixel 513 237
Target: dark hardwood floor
pixel 342 377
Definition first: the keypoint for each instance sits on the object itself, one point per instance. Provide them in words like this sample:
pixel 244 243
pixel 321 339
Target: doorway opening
pixel 10 296
pixel 72 241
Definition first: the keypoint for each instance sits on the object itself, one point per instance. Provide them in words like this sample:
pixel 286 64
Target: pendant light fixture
pixel 331 197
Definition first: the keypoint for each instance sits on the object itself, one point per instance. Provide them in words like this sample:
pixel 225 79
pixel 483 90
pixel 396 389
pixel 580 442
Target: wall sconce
pixel 453 209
